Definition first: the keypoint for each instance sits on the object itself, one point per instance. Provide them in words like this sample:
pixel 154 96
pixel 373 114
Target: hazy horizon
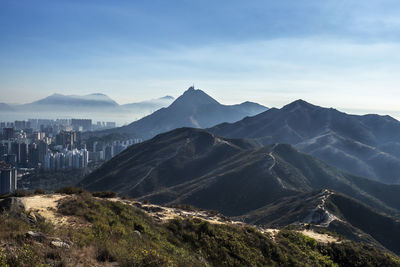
pixel 333 53
pixel 126 118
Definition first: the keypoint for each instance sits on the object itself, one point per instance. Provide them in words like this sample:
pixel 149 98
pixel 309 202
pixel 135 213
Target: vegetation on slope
pixel 108 231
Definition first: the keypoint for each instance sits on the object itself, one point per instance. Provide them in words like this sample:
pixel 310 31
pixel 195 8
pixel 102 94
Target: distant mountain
pixel 96 106
pixel 192 166
pixel 192 109
pixel 336 212
pixel 149 105
pixel 366 145
pixel 5 107
pixel 92 101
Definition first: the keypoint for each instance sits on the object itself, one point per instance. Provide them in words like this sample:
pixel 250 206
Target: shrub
pixel 22 193
pixel 70 190
pixel 104 194
pixel 40 192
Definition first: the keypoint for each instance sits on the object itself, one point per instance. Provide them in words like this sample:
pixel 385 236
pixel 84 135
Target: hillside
pixel 192 109
pixel 333 211
pixel 81 230
pixel 366 145
pixel 193 166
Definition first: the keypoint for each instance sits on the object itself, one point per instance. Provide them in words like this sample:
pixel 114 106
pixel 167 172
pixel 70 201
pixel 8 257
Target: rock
pixel 34 217
pixel 157 218
pixel 152 209
pixel 59 244
pixel 36 236
pixel 137 233
pixel 12 204
pixel 137 205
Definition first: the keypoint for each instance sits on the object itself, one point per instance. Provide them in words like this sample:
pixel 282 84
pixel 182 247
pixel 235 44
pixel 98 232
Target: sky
pixel 342 54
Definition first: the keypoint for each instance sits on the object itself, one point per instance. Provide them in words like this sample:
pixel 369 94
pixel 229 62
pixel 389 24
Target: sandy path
pixel 321 238
pixel 46 206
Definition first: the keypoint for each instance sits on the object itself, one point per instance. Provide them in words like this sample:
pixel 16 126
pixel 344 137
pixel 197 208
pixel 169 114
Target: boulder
pixel 59 244
pixel 36 236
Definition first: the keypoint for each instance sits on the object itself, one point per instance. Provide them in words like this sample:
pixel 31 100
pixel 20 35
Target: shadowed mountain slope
pixel 193 166
pixel 366 145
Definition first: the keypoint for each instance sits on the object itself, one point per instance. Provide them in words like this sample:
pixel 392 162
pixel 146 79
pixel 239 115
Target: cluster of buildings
pixel 54 126
pixel 23 149
pixel 54 144
pixel 103 151
pixel 66 160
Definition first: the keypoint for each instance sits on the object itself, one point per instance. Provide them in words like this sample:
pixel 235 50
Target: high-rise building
pixel 23 154
pixel 109 152
pixel 81 124
pixel 110 124
pixel 66 139
pixel 33 157
pixel 20 125
pixel 42 151
pixel 8 178
pixel 11 159
pixel 3 149
pixel 8 133
pixel 15 150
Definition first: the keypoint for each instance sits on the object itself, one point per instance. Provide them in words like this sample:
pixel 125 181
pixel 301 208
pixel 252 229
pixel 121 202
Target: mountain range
pixel 239 178
pixel 95 106
pixel 90 102
pixel 196 167
pixel 367 145
pixel 194 108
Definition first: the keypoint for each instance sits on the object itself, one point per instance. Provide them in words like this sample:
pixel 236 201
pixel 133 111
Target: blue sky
pixel 344 54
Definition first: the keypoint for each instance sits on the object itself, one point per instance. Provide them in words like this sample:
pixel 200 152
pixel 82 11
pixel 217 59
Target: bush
pixel 70 190
pixel 110 234
pixel 104 194
pixel 40 192
pixel 22 193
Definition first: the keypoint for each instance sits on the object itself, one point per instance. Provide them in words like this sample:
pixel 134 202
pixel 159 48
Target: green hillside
pixel 106 232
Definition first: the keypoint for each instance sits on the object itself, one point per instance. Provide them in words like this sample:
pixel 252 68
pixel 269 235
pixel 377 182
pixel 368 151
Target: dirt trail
pixel 163 214
pixel 45 206
pixel 274 161
pixel 321 238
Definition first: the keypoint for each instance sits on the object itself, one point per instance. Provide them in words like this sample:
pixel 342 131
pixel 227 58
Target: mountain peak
pixel 191 88
pixel 194 97
pixel 300 103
